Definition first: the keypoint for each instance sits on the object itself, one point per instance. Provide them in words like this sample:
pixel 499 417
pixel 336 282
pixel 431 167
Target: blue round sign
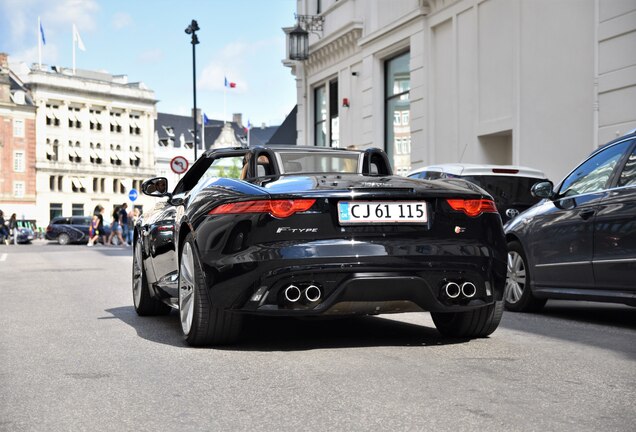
pixel 132 195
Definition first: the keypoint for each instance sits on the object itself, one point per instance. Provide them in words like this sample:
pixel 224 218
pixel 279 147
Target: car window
pixel 80 221
pixel 62 221
pixel 428 175
pixel 628 175
pixel 594 174
pixel 507 190
pixel 318 162
pixel 224 167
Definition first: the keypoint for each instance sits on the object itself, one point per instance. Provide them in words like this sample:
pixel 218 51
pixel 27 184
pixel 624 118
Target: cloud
pixel 18 23
pixel 121 20
pixel 155 55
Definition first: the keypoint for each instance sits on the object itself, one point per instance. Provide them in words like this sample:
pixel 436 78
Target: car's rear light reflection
pixel 473 207
pixel 277 208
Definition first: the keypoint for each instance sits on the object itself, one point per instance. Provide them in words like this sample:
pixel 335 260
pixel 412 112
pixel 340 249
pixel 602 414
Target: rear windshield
pixel 318 162
pixel 508 191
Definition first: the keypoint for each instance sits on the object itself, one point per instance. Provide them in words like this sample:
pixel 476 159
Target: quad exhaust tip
pixel 452 290
pixel 313 293
pixel 292 294
pixel 468 289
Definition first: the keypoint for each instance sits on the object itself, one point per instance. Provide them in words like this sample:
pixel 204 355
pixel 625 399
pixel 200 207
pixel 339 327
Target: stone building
pixel 532 82
pixel 17 146
pixel 94 141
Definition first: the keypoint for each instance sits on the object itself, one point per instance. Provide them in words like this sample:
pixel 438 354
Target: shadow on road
pixel 290 334
pixel 602 325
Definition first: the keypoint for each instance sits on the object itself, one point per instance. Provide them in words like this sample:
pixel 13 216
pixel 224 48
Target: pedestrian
pixel 4 231
pixel 13 228
pixel 116 228
pixel 123 222
pixel 94 229
pixel 133 216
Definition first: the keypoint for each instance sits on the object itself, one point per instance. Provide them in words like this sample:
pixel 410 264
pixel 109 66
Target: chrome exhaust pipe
pixel 313 293
pixel 292 293
pixel 452 290
pixel 469 289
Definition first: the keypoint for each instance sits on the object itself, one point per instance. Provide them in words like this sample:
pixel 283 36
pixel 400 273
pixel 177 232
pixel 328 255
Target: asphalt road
pixel 74 356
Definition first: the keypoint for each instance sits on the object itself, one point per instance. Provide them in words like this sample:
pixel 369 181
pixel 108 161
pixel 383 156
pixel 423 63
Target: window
pixel 18 161
pixel 320 117
pixel 326 120
pixel 78 185
pixel 73 118
pixel 74 152
pixel 95 122
pixel 52 150
pixel 18 128
pixel 18 189
pixel 135 156
pixel 115 122
pixel 52 115
pixel 55 210
pixel 115 154
pixel 77 210
pixel 397 110
pixel 628 175
pixel 594 174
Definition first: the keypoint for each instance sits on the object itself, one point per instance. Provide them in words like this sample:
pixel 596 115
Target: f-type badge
pixel 296 230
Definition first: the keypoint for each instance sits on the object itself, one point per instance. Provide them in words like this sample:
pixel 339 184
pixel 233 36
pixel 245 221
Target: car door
pixel 615 231
pixel 562 236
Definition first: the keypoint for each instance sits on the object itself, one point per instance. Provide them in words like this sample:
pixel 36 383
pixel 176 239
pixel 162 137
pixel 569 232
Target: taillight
pixel 473 207
pixel 277 208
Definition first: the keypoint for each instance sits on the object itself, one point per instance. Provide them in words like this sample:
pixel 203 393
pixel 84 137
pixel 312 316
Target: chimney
pixel 5 82
pixel 238 119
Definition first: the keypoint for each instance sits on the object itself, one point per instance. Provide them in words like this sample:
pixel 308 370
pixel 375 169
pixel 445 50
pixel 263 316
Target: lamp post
pixel 192 29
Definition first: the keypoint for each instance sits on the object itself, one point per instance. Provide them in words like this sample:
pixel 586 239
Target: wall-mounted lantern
pixel 299 37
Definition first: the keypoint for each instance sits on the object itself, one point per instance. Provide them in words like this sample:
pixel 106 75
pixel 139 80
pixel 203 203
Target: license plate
pixel 381 212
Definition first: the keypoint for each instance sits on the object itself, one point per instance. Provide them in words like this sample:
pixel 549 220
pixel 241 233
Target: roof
pixel 286 132
pixel 460 169
pixel 261 135
pixel 172 126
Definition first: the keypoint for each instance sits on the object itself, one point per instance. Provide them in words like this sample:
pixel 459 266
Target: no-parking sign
pixel 179 164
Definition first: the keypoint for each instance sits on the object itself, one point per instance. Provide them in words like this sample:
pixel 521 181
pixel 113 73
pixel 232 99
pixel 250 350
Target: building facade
pixel 529 82
pixel 17 146
pixel 94 141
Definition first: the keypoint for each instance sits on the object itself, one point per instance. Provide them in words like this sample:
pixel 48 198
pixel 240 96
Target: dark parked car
pixel 579 243
pixel 509 185
pixel 67 230
pixel 310 231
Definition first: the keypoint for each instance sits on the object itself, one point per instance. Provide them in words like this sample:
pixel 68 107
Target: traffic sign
pixel 133 194
pixel 179 164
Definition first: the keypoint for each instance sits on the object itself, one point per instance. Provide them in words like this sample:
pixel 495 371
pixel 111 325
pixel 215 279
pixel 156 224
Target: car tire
pixel 518 295
pixel 202 322
pixel 145 304
pixel 63 239
pixel 476 323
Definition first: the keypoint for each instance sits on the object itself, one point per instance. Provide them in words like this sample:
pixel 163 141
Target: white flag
pixel 77 38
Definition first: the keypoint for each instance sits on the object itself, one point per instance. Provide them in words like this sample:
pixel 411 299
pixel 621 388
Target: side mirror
pixel 156 187
pixel 542 189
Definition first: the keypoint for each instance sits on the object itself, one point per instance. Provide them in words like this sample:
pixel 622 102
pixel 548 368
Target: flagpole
pixel 39 43
pixel 73 49
pixel 203 131
pixel 225 102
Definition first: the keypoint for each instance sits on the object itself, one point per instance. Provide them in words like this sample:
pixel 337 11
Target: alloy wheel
pixel 515 278
pixel 186 288
pixel 137 275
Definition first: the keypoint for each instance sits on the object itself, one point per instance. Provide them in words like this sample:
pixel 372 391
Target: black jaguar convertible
pixel 310 231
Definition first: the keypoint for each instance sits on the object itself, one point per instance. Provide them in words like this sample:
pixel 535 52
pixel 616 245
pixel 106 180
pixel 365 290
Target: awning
pixel 100 153
pixel 72 116
pixel 93 153
pixel 52 113
pixel 82 182
pixel 76 183
pixel 136 155
pixel 72 152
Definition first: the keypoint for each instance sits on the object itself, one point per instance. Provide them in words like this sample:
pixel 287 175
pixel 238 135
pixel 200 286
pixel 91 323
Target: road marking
pixel 3 257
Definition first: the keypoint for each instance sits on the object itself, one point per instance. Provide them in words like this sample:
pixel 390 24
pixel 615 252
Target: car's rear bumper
pixel 380 276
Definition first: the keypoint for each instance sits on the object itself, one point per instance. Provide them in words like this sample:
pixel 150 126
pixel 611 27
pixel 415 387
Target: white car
pixel 509 185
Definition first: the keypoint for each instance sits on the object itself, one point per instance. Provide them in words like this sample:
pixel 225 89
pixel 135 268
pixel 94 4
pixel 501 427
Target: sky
pixel 145 40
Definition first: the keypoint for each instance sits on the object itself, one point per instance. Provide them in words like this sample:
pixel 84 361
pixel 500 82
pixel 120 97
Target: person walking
pixel 133 215
pixel 4 231
pixel 123 222
pixel 97 226
pixel 116 228
pixel 13 228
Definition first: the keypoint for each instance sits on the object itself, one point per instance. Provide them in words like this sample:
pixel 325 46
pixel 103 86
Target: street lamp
pixel 299 37
pixel 192 29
